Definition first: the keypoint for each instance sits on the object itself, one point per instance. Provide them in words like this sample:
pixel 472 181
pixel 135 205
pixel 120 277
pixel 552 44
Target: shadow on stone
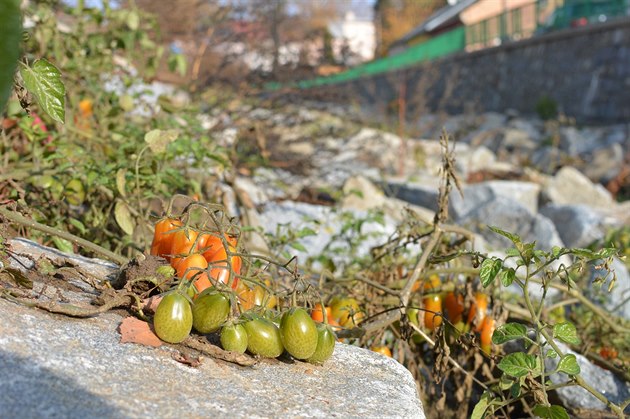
pixel 48 394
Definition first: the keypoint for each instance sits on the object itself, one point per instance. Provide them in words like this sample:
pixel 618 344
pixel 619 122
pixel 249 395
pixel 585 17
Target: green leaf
pixel 514 238
pixel 566 332
pixel 123 217
pixel 11 24
pixel 507 276
pixel 481 406
pixel 568 365
pixel 158 140
pixel 63 244
pixel 305 232
pixel 550 412
pixel 551 353
pixel 507 332
pixel 489 269
pixel 78 224
pixel 121 181
pixel 518 364
pixel 43 80
pixel 177 64
pixel 298 246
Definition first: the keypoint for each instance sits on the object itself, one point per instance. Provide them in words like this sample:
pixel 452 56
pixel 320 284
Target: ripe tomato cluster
pixel 340 312
pixel 453 308
pixel 209 292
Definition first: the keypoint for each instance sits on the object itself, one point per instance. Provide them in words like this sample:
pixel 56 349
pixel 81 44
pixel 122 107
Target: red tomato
pixel 210 244
pixel 478 310
pixel 163 238
pixel 194 266
pixel 454 304
pixel 182 244
pixel 220 271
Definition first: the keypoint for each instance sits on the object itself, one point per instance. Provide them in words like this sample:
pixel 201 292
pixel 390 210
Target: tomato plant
pixel 173 318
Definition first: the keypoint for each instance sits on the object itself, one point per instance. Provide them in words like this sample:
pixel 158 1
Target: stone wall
pixel 586 71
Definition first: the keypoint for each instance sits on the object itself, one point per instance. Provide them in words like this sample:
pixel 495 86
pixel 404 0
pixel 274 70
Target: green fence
pixel 437 47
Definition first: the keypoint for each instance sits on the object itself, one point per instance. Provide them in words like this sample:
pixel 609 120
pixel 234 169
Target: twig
pixel 218 353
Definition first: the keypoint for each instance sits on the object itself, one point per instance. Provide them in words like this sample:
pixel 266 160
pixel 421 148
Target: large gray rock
pixel 54 366
pixel 569 186
pixel 603 380
pixel 523 193
pixel 578 225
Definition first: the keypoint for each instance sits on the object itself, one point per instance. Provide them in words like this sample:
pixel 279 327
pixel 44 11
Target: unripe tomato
pixel 162 238
pixel 478 311
pixel 210 311
pixel 299 333
pixel 220 271
pixel 432 305
pixel 194 266
pixel 234 338
pixel 383 350
pixel 487 330
pixel 347 312
pixel 454 305
pixel 318 314
pixel 263 338
pixel 325 344
pixel 173 318
pixel 412 315
pixel 182 244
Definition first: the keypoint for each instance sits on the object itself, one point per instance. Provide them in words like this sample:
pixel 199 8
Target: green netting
pixel 437 47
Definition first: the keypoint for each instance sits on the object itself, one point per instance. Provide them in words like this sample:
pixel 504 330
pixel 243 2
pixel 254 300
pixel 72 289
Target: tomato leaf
pixel 43 80
pixel 123 217
pixel 120 181
pixel 489 269
pixel 568 365
pixel 507 276
pixel 158 140
pixel 508 332
pixel 305 232
pixel 298 246
pixel 63 244
pixel 514 238
pixel 566 332
pixel 517 364
pixel 11 22
pixel 550 412
pixel 481 406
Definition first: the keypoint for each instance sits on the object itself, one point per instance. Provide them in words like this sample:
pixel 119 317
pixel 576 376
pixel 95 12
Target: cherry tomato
pixel 234 338
pixel 162 238
pixel 325 344
pixel 173 318
pixel 318 315
pixel 263 337
pixel 299 333
pixel 477 311
pixel 454 305
pixel 383 350
pixel 432 305
pixel 412 315
pixel 210 311
pixel 194 266
pixel 487 330
pixel 210 244
pixel 220 271
pixel 608 352
pixel 346 311
pixel 182 244
pixel 254 297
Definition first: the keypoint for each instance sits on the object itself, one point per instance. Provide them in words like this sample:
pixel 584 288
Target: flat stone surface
pixel 55 366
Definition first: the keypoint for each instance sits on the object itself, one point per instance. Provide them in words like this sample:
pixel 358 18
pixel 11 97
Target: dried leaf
pixel 133 330
pixel 123 217
pixel 187 359
pixel 158 140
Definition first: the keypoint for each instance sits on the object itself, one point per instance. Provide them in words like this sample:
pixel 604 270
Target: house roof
pixel 442 17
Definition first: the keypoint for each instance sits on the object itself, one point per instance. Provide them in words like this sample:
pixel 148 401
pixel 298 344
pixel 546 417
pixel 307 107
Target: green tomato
pixel 210 311
pixel 263 338
pixel 173 318
pixel 299 333
pixel 234 338
pixel 325 344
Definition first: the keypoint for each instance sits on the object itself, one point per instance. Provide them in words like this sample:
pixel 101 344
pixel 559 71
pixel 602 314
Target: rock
pixel 603 380
pixel 615 301
pixel 416 193
pixel 54 366
pixel 577 225
pixel 604 163
pixel 524 193
pixel 361 194
pixel 532 127
pixel 476 159
pixel 569 186
pixel 260 114
pixel 573 142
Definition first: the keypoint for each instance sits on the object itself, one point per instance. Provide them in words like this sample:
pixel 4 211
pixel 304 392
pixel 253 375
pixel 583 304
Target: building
pixel 353 39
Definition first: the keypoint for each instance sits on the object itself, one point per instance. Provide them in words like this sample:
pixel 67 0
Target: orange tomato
pixel 608 352
pixel 183 243
pixel 318 314
pixel 210 244
pixel 346 311
pixel 487 330
pixel 454 305
pixel 433 305
pixel 194 266
pixel 163 238
pixel 383 350
pixel 478 310
pixel 249 298
pixel 220 271
pixel 85 107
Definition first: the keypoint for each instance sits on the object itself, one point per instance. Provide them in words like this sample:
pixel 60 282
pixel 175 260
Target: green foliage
pixel 10 37
pixel 547 108
pixel 43 80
